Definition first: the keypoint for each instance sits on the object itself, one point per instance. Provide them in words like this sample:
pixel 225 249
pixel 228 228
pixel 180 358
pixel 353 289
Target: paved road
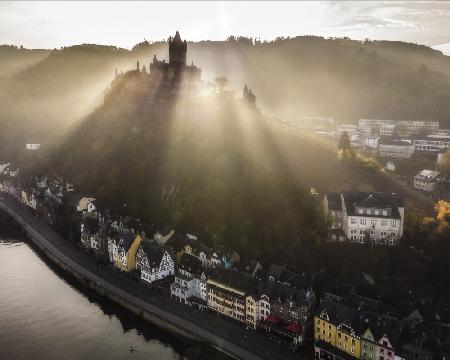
pixel 224 334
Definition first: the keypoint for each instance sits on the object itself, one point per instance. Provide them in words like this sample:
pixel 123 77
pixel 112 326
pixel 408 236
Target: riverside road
pixel 209 327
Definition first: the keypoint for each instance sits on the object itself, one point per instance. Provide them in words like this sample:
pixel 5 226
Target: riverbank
pixel 147 304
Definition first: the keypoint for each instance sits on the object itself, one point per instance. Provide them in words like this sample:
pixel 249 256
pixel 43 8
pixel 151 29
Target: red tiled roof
pixel 273 319
pixel 294 328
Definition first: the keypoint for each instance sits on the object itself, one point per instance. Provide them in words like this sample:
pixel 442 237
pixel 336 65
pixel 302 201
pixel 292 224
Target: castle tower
pixel 177 52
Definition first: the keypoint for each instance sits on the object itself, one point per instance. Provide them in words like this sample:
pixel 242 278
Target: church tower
pixel 177 52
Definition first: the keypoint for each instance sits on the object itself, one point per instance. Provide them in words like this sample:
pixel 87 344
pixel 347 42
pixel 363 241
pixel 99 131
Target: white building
pixel 426 179
pixel 396 149
pixel 33 147
pixel 317 122
pixel 388 126
pixel 190 281
pixel 371 142
pixel 431 143
pixel 154 262
pixel 86 204
pixel 4 166
pixel 375 218
pixel 390 166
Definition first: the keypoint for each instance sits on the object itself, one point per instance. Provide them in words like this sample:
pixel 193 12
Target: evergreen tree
pixel 344 143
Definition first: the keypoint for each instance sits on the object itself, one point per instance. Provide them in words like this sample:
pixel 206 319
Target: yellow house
pixel 324 329
pixel 348 340
pixel 127 249
pixel 338 326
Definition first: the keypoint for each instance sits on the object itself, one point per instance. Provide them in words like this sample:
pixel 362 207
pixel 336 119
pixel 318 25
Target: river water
pixel 45 315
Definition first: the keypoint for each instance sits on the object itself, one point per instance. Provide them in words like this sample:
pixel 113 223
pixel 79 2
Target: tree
pixel 221 82
pixel 344 143
pixel 444 165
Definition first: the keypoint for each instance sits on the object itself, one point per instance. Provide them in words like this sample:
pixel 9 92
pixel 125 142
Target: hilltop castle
pixel 176 69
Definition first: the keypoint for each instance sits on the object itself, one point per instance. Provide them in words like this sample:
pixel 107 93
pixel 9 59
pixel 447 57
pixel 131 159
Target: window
pixel 373 222
pixel 384 212
pixel 377 212
pixel 361 232
pixel 362 221
pixel 369 211
pixel 360 211
pixel 354 220
pixel 353 341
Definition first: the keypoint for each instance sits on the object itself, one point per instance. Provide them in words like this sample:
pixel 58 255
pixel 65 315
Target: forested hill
pixel 342 78
pixel 207 165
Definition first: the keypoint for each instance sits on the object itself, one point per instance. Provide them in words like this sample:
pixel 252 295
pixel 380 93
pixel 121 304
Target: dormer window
pixel 384 212
pixel 360 211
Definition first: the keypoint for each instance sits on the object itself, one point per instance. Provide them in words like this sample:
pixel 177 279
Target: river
pixel 44 314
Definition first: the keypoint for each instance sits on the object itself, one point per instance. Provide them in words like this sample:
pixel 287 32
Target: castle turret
pixel 177 52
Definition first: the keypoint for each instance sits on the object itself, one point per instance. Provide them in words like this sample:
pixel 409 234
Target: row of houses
pixel 208 278
pixel 273 300
pixel 359 328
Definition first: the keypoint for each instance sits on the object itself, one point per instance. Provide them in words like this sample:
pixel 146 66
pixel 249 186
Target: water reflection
pixel 45 314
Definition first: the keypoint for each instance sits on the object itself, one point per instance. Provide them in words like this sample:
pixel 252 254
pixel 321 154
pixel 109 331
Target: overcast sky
pixel 56 24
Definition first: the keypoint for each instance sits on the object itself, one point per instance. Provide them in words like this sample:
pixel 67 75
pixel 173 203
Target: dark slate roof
pixel 153 252
pixel 191 264
pixel 127 238
pixel 390 141
pixel 334 201
pixel 91 224
pixel 232 278
pixel 285 293
pixel 354 199
pixel 275 271
pixel 339 314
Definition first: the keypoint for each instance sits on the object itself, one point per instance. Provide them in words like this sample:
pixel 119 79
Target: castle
pixel 166 80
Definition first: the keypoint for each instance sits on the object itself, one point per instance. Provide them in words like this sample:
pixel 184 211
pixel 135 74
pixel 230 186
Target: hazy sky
pixel 56 24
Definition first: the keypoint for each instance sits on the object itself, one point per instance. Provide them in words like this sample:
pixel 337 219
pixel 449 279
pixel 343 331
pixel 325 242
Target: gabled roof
pixel 153 252
pixel 353 199
pixel 191 264
pixel 126 240
pixel 334 201
pixel 372 201
pixel 232 278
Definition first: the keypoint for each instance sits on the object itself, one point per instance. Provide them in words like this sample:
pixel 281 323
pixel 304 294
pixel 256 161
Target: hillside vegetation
pixel 343 78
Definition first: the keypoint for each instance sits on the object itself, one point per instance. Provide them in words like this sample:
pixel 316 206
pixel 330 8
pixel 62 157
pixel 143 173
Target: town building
pixel 426 180
pixel 317 123
pixel 86 204
pixel 393 148
pixel 189 286
pixel 371 142
pixel 227 291
pixel 33 147
pixel 154 262
pixel 367 218
pixel 387 127
pixel 122 249
pixel 430 143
